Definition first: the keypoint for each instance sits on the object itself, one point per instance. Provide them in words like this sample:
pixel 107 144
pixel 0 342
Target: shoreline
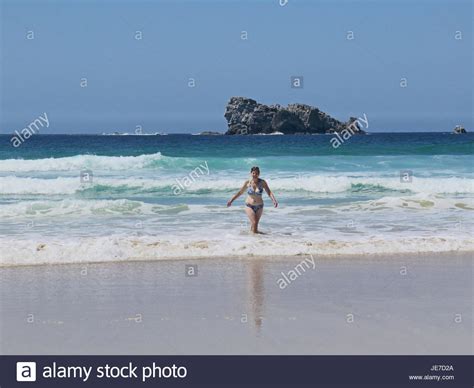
pixel 252 257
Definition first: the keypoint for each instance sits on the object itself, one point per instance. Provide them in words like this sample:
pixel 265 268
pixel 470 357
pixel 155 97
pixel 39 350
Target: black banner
pixel 237 371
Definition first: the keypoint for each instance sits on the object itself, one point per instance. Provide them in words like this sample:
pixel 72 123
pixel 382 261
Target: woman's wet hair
pixel 255 168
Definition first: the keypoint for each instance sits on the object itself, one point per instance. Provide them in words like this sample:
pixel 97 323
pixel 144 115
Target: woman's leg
pixel 258 215
pixel 252 218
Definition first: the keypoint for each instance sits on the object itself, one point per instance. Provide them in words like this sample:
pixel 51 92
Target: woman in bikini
pixel 254 201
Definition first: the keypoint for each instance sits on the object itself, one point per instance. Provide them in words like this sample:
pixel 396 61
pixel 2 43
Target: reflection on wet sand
pixel 256 293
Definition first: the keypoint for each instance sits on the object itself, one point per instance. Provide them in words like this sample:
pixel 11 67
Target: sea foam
pixel 216 183
pixel 119 248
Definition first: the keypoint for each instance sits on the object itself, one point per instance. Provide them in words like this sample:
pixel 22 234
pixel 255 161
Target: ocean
pixel 93 198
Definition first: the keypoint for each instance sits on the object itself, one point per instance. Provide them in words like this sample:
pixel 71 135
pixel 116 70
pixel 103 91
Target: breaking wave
pixel 206 185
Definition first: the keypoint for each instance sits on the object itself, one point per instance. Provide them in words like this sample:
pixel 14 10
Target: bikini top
pixel 259 191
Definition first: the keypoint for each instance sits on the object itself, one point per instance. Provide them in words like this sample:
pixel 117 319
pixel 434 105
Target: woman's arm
pixel 270 194
pixel 239 193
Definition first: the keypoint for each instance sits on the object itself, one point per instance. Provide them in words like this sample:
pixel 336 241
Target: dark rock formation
pixel 247 117
pixel 458 129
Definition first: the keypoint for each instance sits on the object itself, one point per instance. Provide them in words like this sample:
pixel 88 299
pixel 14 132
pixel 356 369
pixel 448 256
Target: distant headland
pixel 248 117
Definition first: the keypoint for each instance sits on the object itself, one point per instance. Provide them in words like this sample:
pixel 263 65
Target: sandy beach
pixel 405 304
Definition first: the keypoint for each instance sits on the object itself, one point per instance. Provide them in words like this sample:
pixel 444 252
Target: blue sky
pixel 144 82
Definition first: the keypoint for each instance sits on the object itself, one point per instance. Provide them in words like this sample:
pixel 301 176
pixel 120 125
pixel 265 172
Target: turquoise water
pixel 164 196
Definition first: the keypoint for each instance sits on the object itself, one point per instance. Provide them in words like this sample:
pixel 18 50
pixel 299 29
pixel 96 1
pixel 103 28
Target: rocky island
pixel 459 129
pixel 248 117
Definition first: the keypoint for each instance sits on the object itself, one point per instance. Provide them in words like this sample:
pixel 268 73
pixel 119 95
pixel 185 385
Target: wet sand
pixel 355 305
